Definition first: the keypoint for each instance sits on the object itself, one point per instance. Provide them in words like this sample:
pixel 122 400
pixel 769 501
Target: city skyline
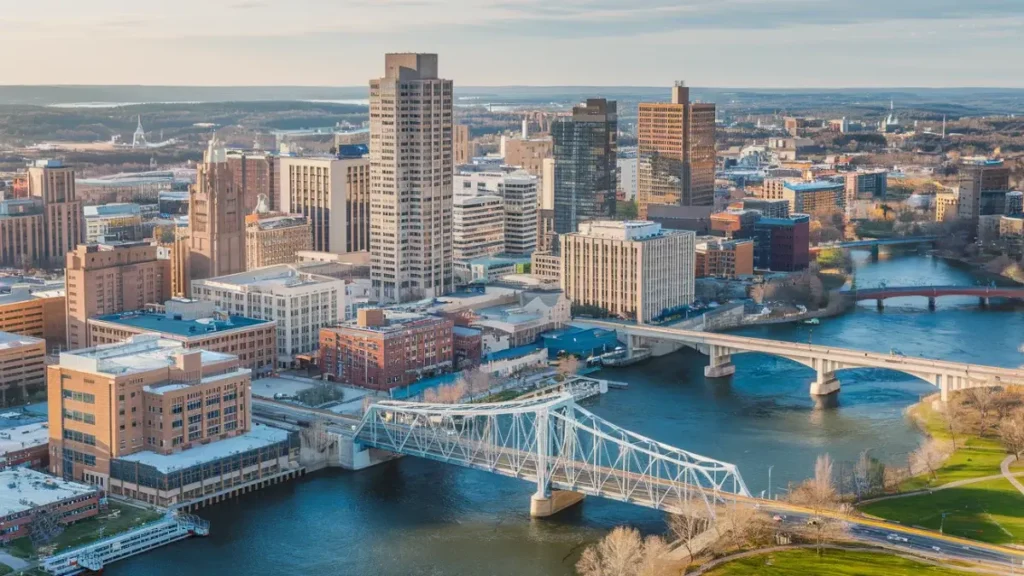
pixel 587 42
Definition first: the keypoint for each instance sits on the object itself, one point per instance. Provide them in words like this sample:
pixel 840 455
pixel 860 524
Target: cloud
pixel 248 5
pixel 585 18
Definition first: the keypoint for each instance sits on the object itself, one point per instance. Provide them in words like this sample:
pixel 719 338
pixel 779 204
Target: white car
pixel 936 548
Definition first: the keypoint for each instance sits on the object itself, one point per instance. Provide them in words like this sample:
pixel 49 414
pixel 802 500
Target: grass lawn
pixel 20 548
pixel 975 456
pixel 5 569
pixel 990 511
pixel 832 563
pixel 94 528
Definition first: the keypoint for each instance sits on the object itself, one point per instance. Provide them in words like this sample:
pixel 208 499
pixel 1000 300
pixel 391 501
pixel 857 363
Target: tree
pixel 477 381
pixel 955 415
pixel 739 526
pixel 568 366
pixel 928 457
pixel 623 552
pixel 819 494
pixel 447 394
pixel 1011 433
pixel 687 525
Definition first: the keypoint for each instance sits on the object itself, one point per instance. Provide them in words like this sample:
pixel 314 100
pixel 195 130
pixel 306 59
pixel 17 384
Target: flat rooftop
pixel 271 277
pixel 814 186
pixel 25 489
pixel 159 322
pixel 22 437
pixel 10 340
pixel 141 353
pixel 259 437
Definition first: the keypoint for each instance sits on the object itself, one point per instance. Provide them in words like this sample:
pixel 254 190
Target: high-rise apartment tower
pixel 411 169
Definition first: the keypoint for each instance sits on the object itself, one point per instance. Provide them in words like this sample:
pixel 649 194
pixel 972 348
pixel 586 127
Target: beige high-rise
pixel 676 152
pixel 334 194
pixel 463 146
pixel 216 218
pixel 632 270
pixel 104 279
pixel 62 211
pixel 411 166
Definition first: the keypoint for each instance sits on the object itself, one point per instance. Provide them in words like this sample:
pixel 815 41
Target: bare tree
pixel 690 523
pixel 1006 402
pixel 447 394
pixel 477 381
pixel 956 416
pixel 982 399
pixel 893 477
pixel 819 494
pixel 1011 433
pixel 623 552
pixel 928 457
pixel 569 366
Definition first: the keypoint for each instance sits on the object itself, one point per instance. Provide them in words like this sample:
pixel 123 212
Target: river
pixel 415 517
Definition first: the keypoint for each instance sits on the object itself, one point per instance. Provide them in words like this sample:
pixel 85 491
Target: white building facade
pixel 518 190
pixel 478 229
pixel 300 303
pixel 633 269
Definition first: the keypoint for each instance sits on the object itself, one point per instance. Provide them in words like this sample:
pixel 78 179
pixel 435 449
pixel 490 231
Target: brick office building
pixel 385 349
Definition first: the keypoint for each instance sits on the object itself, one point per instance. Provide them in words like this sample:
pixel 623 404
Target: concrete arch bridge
pixel 825 360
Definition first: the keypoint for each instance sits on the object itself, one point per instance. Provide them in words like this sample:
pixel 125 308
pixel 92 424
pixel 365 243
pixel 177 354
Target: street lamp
pixel 770 481
pixel 942 522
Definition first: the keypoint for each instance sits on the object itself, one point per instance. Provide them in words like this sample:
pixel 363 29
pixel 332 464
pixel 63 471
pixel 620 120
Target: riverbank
pixel 1012 275
pixel 990 510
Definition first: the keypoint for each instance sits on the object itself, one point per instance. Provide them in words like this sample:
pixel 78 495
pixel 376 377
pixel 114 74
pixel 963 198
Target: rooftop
pixel 159 322
pixel 260 436
pixel 282 221
pixel 463 331
pixel 815 186
pixel 271 277
pixel 26 489
pixel 25 436
pixel 9 340
pixel 140 353
pixel 517 352
pixel 626 230
pixel 396 320
pixel 115 209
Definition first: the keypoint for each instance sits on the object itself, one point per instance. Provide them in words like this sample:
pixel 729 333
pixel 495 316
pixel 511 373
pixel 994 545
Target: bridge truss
pixel 554 442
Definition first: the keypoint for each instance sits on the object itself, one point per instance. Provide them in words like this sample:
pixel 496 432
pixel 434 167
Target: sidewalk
pixel 14 562
pixel 1005 467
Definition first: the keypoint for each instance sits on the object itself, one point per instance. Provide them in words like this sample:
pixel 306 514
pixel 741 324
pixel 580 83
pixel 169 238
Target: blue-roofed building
pixel 199 327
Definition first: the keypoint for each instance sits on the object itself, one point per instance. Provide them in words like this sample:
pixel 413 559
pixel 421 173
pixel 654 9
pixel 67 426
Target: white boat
pixel 812 321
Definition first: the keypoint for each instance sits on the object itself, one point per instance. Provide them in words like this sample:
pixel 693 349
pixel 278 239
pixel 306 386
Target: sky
pixel 714 43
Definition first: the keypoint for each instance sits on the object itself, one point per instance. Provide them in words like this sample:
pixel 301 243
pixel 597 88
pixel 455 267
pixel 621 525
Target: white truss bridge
pixel 553 442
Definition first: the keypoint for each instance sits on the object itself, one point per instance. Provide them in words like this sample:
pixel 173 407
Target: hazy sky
pixel 756 43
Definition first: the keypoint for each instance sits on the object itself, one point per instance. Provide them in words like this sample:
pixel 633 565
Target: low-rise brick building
pixel 384 349
pixel 28 494
pixel 25 445
pixel 198 326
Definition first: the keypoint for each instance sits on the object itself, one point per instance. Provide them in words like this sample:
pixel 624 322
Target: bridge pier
pixel 931 303
pixel 983 302
pixel 544 505
pixel 825 384
pixel 720 364
pixel 874 253
pixel 879 303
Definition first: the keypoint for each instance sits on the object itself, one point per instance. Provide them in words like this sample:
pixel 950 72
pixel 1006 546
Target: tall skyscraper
pixel 585 162
pixel 216 218
pixel 54 183
pixel 411 180
pixel 676 152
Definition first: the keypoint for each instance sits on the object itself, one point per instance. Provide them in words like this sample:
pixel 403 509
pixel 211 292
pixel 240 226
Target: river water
pixel 415 517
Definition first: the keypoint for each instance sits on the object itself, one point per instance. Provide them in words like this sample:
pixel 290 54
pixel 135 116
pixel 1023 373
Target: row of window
pixel 79 416
pixel 77 436
pixel 80 396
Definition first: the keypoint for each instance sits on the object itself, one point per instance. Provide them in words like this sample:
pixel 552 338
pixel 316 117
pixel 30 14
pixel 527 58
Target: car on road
pixel 936 548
